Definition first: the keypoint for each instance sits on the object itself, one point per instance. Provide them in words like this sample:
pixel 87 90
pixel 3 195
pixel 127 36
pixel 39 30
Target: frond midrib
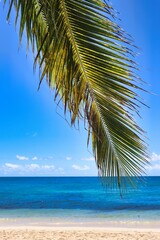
pixel 85 77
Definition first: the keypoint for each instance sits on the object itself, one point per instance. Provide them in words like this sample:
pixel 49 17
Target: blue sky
pixel 34 138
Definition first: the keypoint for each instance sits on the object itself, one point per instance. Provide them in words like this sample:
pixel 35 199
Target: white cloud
pixel 28 167
pixel 12 166
pixel 22 158
pixel 38 167
pixel 153 167
pixel 80 168
pixel 48 167
pixel 155 157
pixel 34 158
pixel 32 166
pixel 68 158
pixel 29 170
pixel 88 159
pixel 46 158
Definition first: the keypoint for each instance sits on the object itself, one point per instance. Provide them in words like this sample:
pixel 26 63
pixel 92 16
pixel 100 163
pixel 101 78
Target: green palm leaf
pixel 83 55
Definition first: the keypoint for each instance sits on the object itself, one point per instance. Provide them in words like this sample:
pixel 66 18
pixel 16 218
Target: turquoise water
pixel 77 199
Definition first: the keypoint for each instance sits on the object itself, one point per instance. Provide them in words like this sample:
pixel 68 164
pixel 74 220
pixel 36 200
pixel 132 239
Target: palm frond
pixel 84 56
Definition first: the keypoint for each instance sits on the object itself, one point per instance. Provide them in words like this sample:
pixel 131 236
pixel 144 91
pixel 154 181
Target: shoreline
pixel 54 224
pixel 80 228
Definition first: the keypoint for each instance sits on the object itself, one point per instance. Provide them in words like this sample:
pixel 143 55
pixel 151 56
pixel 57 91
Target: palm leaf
pixel 84 56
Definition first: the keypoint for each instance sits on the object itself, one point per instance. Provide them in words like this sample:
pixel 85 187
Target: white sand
pixel 77 233
pixel 40 229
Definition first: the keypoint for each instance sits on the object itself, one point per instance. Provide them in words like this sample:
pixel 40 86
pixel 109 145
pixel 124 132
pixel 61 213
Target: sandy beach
pixel 39 233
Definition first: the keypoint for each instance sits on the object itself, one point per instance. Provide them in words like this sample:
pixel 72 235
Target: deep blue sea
pixel 77 199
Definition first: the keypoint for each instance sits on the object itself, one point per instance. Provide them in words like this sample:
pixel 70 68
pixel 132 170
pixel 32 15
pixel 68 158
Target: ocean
pixel 81 200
